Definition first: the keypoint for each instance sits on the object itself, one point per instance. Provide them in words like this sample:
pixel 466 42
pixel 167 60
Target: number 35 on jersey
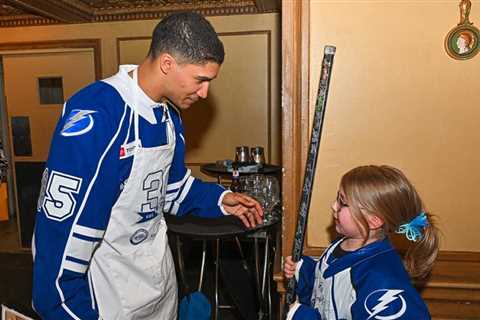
pixel 56 194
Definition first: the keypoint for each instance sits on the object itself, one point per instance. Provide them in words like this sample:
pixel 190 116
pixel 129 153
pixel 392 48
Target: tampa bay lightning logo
pixel 385 304
pixel 139 236
pixel 78 122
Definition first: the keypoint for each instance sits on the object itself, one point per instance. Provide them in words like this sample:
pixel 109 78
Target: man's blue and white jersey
pixel 369 283
pixel 88 166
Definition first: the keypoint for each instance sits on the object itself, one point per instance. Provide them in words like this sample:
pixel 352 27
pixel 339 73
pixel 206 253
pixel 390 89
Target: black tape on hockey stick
pixel 320 106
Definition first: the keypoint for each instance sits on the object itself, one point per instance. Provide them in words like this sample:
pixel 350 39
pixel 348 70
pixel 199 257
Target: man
pixel 116 163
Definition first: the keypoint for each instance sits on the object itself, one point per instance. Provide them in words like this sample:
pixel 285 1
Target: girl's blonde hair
pixel 385 192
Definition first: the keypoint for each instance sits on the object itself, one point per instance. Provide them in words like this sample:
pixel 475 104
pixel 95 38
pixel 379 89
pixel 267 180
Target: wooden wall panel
pixel 393 100
pixel 22 70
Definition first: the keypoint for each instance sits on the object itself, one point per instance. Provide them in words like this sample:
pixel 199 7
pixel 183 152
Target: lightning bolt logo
pixel 384 304
pixel 78 122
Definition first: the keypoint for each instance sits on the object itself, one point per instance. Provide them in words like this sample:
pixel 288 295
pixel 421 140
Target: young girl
pixel 361 276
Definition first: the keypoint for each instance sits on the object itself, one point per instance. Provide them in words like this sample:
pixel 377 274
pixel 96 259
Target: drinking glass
pixel 258 188
pixel 246 184
pixel 272 197
pixel 264 189
pixel 254 186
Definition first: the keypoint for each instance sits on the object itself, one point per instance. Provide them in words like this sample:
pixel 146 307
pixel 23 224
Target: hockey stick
pixel 321 103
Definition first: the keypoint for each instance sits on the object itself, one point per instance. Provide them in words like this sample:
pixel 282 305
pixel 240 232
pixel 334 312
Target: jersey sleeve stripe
pixel 178 184
pixel 75 266
pixel 175 205
pixel 67 310
pixel 170 197
pixel 186 189
pixel 167 207
pixel 89 232
pixel 92 293
pixel 81 249
pixel 79 236
pixel 174 208
pixel 77 260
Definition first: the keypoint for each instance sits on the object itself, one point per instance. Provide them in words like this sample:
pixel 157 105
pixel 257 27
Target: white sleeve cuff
pixel 297 269
pixel 220 200
pixel 293 309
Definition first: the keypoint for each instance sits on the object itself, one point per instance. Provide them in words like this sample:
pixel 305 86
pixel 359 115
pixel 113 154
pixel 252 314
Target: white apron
pixel 132 271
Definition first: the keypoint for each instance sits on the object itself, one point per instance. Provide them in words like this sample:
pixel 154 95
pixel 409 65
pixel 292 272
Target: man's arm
pixel 79 188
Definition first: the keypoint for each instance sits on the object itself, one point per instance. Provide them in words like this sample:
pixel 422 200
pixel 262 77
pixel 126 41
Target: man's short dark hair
pixel 187 36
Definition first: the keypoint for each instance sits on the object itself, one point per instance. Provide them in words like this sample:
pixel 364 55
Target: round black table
pixel 212 228
pixel 222 228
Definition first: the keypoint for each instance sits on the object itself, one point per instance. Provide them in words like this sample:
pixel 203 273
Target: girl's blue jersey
pixel 369 283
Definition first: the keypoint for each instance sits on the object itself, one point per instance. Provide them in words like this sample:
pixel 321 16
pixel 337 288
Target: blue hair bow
pixel 413 229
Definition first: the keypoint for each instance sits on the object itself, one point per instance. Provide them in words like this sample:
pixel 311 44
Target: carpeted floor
pixel 16 276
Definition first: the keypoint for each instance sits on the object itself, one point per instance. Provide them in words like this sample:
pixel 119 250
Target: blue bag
pixel 195 306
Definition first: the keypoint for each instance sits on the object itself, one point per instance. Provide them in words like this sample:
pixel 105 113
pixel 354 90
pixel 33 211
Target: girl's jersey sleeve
pixel 305 277
pixel 303 312
pixel 306 280
pixel 186 194
pixel 79 188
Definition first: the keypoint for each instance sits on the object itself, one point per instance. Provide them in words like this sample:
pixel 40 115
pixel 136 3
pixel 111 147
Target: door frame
pixel 19 48
pixel 295 110
pixel 295 123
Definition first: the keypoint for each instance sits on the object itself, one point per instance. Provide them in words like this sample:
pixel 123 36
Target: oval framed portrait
pixel 462 42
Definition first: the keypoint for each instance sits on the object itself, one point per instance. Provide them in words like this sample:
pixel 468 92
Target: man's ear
pixel 374 222
pixel 166 63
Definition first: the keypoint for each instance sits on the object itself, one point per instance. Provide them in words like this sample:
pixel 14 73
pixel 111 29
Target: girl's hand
pixel 289 267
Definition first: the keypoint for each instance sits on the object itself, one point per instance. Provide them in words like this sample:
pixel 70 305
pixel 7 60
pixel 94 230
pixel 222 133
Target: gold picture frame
pixel 462 42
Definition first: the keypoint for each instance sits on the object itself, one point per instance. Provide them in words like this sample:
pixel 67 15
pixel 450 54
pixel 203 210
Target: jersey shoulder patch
pixel 78 122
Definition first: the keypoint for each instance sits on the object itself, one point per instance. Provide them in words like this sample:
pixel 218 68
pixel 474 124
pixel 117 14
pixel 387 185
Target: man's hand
pixel 244 207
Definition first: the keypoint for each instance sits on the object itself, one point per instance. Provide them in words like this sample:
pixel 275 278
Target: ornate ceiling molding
pixel 15 13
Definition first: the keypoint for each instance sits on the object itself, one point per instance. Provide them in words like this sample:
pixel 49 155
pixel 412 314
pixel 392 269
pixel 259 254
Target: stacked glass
pixel 265 189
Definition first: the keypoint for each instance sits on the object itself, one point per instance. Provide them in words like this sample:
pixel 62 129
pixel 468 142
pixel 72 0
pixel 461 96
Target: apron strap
pixel 135 99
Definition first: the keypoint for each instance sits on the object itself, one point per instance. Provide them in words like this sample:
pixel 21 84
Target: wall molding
pixel 94 44
pixel 33 13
